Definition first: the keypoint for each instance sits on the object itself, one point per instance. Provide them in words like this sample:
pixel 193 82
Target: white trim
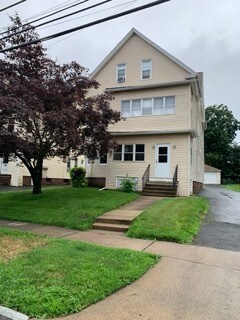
pixel 168 145
pixel 141 70
pixel 125 177
pixel 125 40
pixel 117 69
pixel 152 108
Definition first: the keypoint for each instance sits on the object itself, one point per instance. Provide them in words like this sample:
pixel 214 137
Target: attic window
pixel 121 73
pixel 146 69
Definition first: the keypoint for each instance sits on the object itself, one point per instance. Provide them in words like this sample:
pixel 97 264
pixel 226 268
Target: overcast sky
pixel 204 34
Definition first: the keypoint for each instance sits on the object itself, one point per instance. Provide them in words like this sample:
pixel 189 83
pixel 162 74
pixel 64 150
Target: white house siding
pixel 179 146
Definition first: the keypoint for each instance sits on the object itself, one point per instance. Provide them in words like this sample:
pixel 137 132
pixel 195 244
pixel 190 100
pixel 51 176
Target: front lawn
pixel 62 206
pixel 57 277
pixel 234 187
pixel 175 219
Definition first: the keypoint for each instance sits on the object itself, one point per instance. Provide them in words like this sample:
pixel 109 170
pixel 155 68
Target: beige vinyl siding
pixel 197 172
pixel 131 54
pixel 179 146
pixel 54 168
pixel 96 170
pixel 170 122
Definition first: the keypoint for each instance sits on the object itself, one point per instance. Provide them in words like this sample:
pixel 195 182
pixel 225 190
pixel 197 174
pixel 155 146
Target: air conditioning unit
pixel 121 79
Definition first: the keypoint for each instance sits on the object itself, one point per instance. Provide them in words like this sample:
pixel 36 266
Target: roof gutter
pixel 193 133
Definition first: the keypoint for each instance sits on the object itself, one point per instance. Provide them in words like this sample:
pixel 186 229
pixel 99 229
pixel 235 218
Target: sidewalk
pixel 189 282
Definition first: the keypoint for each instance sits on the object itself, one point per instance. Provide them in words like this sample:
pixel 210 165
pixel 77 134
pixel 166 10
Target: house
pixel 161 137
pixel 211 175
pixel 55 172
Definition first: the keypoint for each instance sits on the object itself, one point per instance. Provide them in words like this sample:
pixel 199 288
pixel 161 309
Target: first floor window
pixel 103 159
pixel 68 165
pixel 75 162
pixel 129 152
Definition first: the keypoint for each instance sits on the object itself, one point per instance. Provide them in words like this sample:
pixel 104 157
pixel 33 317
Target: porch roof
pixel 192 133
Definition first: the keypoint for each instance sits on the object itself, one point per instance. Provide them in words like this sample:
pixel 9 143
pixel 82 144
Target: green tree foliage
pixel 78 179
pixel 46 109
pixel 220 152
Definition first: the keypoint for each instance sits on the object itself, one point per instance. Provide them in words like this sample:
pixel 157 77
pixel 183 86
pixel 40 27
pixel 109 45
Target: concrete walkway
pixel 189 283
pixel 121 218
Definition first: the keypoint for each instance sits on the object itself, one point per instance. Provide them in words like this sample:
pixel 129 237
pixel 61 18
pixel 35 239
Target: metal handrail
pixel 145 177
pixel 175 176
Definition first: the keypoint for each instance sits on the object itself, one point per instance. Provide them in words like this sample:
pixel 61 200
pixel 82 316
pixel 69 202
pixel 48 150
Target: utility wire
pixel 49 15
pixel 12 5
pixel 56 19
pixel 93 13
pixel 86 15
pixel 87 25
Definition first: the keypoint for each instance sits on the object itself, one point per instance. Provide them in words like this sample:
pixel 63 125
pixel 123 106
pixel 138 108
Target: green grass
pixel 175 220
pixel 63 277
pixel 234 187
pixel 62 206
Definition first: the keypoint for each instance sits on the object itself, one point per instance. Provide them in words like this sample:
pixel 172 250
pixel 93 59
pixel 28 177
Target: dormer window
pixel 146 69
pixel 121 72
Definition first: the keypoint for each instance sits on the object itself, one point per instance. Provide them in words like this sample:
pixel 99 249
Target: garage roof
pixel 208 168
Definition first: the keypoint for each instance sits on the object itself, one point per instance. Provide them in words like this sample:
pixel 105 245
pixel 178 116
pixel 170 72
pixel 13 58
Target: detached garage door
pixel 212 178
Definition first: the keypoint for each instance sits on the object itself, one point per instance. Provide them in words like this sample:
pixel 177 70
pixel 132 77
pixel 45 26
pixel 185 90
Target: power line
pixel 93 13
pixel 50 14
pixel 56 19
pixel 87 25
pixel 86 15
pixel 12 5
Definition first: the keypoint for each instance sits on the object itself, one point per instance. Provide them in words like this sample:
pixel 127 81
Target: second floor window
pixel 121 73
pixel 146 69
pixel 149 106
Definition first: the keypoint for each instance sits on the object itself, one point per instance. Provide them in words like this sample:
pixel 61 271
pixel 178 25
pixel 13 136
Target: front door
pixel 163 161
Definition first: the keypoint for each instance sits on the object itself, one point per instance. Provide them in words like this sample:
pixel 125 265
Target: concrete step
pixel 110 227
pixel 114 220
pixel 159 194
pixel 160 183
pixel 151 187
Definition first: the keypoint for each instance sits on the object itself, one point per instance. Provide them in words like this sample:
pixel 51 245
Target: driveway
pixel 221 228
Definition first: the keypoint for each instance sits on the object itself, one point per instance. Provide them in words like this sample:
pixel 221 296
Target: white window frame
pixel 142 69
pixel 134 153
pixel 142 115
pixel 118 68
pixel 88 162
pixel 119 179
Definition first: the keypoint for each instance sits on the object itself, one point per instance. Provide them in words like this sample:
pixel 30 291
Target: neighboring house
pixel 161 101
pixel 212 175
pixel 55 171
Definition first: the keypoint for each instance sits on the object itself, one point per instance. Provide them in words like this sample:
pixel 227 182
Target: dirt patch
pixel 11 247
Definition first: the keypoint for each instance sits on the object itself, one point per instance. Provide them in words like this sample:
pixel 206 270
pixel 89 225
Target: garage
pixel 212 175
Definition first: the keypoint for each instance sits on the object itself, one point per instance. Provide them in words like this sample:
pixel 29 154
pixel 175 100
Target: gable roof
pixel 132 32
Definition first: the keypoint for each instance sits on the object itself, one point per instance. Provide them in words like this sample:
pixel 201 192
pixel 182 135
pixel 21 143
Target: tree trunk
pixel 37 177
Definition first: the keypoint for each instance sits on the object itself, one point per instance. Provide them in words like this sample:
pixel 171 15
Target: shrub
pixel 77 175
pixel 128 185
